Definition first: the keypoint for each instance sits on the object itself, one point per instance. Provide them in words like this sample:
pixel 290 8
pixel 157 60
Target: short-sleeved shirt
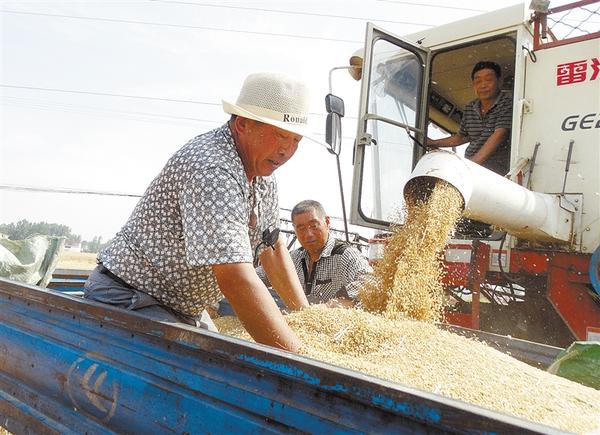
pixel 195 214
pixel 337 272
pixel 479 128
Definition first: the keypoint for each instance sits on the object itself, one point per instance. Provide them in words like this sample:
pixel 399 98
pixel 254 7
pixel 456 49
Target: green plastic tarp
pixel 580 362
pixel 31 260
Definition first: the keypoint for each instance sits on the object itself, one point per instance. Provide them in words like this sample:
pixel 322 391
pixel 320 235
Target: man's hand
pixel 254 306
pixel 282 275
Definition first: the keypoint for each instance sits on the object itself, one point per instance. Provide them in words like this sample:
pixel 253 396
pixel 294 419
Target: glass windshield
pixel 396 76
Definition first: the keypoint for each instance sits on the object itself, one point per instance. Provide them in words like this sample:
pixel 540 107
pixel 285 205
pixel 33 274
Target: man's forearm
pixel 254 306
pixel 450 141
pixel 490 145
pixel 281 272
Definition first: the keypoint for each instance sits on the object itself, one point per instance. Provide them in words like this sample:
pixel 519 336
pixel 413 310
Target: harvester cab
pixel 546 209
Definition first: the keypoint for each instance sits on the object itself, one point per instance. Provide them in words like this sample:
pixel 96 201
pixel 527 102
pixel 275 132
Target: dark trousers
pixel 105 287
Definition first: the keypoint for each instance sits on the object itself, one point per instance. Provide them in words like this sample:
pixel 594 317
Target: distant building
pixel 73 247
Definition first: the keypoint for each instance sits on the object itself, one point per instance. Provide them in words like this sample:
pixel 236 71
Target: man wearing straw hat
pixel 193 236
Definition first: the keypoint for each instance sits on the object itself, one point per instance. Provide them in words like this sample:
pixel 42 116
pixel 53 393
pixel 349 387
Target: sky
pixel 95 96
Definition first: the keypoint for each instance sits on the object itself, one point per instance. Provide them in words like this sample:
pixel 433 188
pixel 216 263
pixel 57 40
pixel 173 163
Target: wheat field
pixel 76 260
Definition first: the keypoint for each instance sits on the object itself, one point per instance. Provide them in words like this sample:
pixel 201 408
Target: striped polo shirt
pixel 478 128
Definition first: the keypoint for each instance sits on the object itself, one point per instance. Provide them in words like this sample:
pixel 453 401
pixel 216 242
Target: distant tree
pixel 95 245
pixel 23 229
pixel 74 239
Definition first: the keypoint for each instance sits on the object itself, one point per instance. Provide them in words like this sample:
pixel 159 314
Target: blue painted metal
pixel 593 271
pixel 68 365
pixel 70 282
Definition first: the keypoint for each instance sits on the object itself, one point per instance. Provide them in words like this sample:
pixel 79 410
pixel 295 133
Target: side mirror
pixel 333 136
pixel 333 125
pixel 334 104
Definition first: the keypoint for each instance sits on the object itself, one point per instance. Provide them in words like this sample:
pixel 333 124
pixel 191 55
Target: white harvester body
pixel 413 84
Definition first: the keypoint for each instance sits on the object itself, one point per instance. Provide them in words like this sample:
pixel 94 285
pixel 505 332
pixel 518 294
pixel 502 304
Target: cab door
pixel 392 120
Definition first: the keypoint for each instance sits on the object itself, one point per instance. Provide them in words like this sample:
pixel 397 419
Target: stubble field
pixel 76 260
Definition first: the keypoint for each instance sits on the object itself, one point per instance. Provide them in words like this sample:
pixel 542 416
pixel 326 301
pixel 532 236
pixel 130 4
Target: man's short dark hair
pixel 486 64
pixel 308 205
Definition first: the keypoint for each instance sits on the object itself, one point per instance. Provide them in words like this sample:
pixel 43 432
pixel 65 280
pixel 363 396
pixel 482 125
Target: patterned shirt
pixel 479 128
pixel 196 213
pixel 337 272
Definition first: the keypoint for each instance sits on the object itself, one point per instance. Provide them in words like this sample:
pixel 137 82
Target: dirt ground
pixel 76 260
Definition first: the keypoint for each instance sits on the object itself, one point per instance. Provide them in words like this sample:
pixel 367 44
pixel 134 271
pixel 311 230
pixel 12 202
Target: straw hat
pixel 274 99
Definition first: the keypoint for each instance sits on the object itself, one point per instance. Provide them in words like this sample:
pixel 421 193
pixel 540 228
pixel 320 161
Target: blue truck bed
pixel 68 365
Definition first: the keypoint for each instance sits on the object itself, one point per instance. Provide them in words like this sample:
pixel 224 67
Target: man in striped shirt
pixel 486 121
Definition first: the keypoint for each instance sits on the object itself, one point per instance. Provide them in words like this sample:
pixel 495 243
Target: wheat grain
pixel 406 281
pixel 421 355
pixel 386 343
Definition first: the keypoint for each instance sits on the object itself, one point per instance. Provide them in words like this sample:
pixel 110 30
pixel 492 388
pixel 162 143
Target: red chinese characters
pixel 577 72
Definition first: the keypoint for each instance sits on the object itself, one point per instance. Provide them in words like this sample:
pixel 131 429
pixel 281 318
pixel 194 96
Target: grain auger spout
pixel 493 199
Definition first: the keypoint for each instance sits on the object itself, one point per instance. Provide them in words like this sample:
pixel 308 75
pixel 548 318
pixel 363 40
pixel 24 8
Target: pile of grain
pixel 384 343
pixel 407 280
pixel 421 355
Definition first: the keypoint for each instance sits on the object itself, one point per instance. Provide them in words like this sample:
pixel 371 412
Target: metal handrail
pixel 541 30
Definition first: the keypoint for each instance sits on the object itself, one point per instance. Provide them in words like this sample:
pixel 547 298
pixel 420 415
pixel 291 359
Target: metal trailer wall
pixel 72 366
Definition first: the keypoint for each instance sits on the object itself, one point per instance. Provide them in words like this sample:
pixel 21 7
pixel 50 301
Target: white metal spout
pixel 493 199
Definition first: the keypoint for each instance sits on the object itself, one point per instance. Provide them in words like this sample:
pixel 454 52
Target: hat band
pixel 286 118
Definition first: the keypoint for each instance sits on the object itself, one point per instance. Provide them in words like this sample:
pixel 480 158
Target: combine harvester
pixel 538 279
pixel 68 365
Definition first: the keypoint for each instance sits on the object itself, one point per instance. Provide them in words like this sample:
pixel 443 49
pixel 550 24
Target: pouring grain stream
pixel 406 281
